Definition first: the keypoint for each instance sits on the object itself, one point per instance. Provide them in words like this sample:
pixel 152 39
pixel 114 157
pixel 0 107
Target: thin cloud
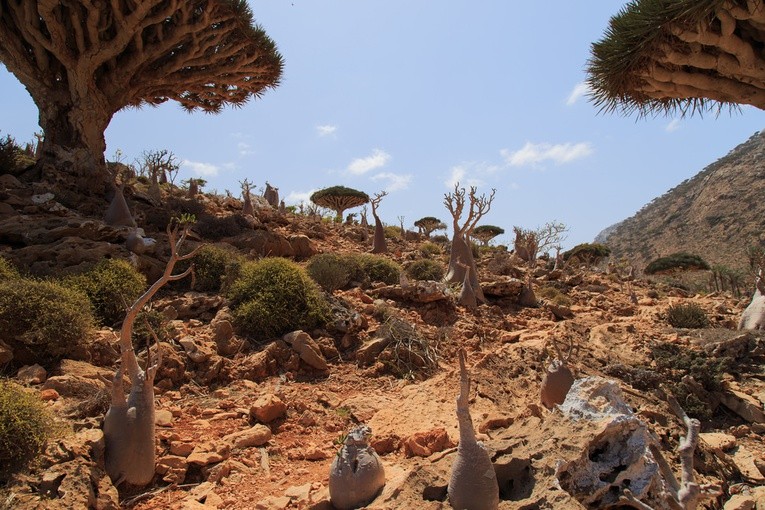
pixel 245 149
pixel 459 174
pixel 326 130
pixel 580 90
pixel 395 181
pixel 674 125
pixel 361 166
pixel 298 197
pixel 535 153
pixel 201 169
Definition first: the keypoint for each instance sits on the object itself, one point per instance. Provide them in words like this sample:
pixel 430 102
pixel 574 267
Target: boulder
pixel 268 408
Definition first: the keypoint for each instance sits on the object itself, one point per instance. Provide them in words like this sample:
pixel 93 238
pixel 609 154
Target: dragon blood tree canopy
pixel 82 61
pixel 687 56
pixel 339 198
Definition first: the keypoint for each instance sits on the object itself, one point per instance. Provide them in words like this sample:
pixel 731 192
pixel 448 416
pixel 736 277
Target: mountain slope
pixel 716 214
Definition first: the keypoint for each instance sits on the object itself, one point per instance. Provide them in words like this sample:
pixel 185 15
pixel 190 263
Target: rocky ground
pixel 243 426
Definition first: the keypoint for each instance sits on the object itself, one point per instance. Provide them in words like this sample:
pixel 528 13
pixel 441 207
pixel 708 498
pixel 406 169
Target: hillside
pixel 716 214
pixel 254 423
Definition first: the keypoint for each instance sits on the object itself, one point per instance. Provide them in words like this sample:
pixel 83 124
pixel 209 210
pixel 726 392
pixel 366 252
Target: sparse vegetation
pixel 687 315
pixel 676 262
pixel 7 270
pixel 43 319
pixel 24 426
pixel 554 296
pixel 274 296
pixel 425 269
pixel 111 285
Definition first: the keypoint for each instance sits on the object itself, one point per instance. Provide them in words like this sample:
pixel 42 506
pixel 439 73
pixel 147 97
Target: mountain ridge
pixel 716 214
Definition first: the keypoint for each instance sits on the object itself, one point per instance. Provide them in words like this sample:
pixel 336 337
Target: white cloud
pixel 296 197
pixel 201 169
pixel 459 174
pixel 326 130
pixel 534 153
pixel 361 166
pixel 395 181
pixel 580 90
pixel 674 125
pixel 244 148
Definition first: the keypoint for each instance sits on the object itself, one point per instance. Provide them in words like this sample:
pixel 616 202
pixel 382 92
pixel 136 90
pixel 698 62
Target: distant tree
pixel 158 166
pixel 82 61
pixel 247 187
pixel 378 241
pixel 689 56
pixel 339 198
pixel 461 255
pixel 680 261
pixel 485 233
pixel 429 224
pixel 529 244
pixel 587 253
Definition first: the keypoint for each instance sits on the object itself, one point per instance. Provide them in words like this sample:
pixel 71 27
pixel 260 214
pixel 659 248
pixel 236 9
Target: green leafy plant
pixel 111 285
pixel 378 268
pixel 43 320
pixel 274 296
pixel 430 249
pixel 687 315
pixel 425 269
pixel 24 425
pixel 214 267
pixel 331 271
pixel 680 261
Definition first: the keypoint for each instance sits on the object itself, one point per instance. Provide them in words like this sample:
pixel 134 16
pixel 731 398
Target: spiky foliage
pixel 339 198
pixel 486 233
pixel 686 56
pixel 680 261
pixel 429 224
pixel 83 61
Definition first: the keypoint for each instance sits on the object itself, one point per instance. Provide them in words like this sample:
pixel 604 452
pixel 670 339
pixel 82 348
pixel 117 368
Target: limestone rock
pixel 307 348
pixel 253 436
pixel 268 408
pixel 618 457
pixel 302 246
pixel 32 374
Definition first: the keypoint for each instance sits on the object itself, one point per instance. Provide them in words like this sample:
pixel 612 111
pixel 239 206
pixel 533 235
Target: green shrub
pixel 440 238
pixel 214 267
pixel 147 320
pixel 330 270
pixel 554 296
pixel 7 270
pixel 687 315
pixel 378 268
pixel 430 249
pixel 112 286
pixel 392 232
pixel 274 296
pixel 425 269
pixel 24 425
pixel 677 261
pixel 44 320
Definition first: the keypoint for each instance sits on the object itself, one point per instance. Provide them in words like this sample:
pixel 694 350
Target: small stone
pixel 718 440
pixel 315 453
pixel 49 394
pixel 739 502
pixel 163 418
pixel 268 408
pixel 299 493
pixel 181 448
pixel 203 458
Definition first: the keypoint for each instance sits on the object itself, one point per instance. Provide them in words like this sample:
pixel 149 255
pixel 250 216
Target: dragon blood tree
pixel 82 61
pixel 339 198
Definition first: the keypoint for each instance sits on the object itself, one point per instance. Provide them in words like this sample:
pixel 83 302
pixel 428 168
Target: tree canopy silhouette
pixel 84 60
pixel 680 56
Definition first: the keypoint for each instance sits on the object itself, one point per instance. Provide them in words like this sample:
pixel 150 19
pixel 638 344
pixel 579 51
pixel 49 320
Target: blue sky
pixel 411 96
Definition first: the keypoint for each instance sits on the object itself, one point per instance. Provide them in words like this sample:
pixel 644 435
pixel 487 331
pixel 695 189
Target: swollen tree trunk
pixel 129 422
pixel 379 245
pixel 473 482
pixel 462 255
